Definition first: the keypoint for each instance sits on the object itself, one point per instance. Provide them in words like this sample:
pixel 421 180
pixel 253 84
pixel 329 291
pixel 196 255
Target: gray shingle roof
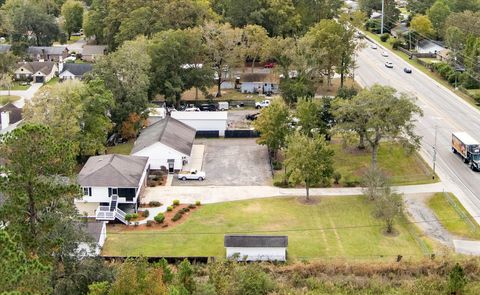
pixel 50 50
pixel 168 131
pixel 255 241
pixel 93 229
pixel 15 114
pixel 77 69
pixel 94 49
pixel 112 171
pixel 4 48
pixel 35 66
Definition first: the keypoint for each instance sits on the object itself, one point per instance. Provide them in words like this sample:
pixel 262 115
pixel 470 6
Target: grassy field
pixel 17 86
pixel 123 148
pixel 324 90
pixel 334 227
pixel 53 81
pixel 418 66
pixel 452 220
pixel 401 167
pixel 4 99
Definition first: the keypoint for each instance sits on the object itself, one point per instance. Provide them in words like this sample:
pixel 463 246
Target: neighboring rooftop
pixel 168 131
pixel 200 115
pixel 113 170
pixel 15 114
pixel 38 66
pixel 93 229
pixel 94 49
pixel 77 69
pixel 4 48
pixel 259 77
pixel 50 50
pixel 255 241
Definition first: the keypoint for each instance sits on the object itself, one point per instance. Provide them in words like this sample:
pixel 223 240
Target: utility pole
pixel 383 15
pixel 434 152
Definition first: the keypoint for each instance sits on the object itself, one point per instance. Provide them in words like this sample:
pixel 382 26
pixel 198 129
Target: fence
pixel 207 134
pixel 460 212
pixel 241 134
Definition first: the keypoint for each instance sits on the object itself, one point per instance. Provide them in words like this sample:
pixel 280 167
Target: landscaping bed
pixel 333 227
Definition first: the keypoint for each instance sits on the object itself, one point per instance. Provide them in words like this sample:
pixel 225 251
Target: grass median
pixel 333 227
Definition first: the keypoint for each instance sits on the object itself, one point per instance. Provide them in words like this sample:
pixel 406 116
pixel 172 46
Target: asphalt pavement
pixel 444 113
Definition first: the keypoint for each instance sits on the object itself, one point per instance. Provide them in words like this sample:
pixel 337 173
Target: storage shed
pixel 256 248
pixel 204 121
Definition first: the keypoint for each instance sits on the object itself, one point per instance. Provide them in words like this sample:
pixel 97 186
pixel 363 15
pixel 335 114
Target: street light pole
pixel 434 152
pixel 383 15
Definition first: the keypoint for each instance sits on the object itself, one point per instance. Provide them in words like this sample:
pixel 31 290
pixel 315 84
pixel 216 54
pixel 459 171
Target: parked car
pixel 208 107
pixel 263 104
pixel 389 64
pixel 223 106
pixel 191 175
pixel 373 46
pixel 270 65
pixel 252 117
pixel 192 109
pixel 407 70
pixel 385 54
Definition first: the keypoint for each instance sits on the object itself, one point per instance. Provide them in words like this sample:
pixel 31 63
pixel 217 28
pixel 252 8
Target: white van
pixel 223 106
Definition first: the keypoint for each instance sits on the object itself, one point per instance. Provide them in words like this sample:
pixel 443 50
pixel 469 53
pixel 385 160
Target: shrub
pixel 146 213
pixel 384 37
pixel 336 177
pixel 191 206
pixel 350 182
pixel 159 218
pixel 176 203
pixel 169 208
pixel 128 217
pixel 184 210
pixel 396 44
pixel 277 165
pixel 197 203
pixel 177 216
pixel 154 204
pixel 134 215
pixel 149 223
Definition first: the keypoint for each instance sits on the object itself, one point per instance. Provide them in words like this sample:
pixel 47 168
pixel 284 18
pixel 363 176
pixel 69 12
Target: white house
pixel 204 121
pixel 256 248
pixel 261 83
pixel 39 72
pixel 167 144
pixel 71 71
pixel 111 185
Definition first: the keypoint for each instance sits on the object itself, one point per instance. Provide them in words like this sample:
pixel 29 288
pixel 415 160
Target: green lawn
pixel 17 86
pixel 402 168
pixel 4 99
pixel 349 231
pixel 53 81
pixel 452 220
pixel 123 148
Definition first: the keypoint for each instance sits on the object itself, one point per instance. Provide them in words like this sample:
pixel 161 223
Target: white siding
pixel 258 254
pixel 158 154
pixel 66 75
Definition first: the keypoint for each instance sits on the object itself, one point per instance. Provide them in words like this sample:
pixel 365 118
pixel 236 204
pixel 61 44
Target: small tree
pixel 388 205
pixel 456 280
pixel 273 126
pixel 6 81
pixel 374 182
pixel 309 118
pixel 309 160
pixel 185 276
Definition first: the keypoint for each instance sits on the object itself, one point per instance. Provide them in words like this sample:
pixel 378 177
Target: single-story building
pixel 92 52
pixel 167 144
pixel 71 71
pixel 97 230
pixel 111 186
pixel 47 53
pixel 204 121
pixel 38 71
pixel 261 83
pixel 256 248
pixel 10 117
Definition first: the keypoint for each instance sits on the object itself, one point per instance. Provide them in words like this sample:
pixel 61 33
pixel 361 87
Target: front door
pixel 170 165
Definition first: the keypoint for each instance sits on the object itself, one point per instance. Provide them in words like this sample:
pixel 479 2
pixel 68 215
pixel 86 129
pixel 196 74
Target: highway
pixel 442 108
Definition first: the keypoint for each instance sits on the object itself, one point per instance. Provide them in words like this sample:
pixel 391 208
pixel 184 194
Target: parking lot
pixel 233 162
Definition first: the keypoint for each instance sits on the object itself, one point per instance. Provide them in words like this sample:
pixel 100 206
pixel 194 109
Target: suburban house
pixel 204 122
pixel 10 117
pixel 97 230
pixel 167 144
pixel 111 186
pixel 50 53
pixel 92 52
pixel 4 48
pixel 71 71
pixel 256 248
pixel 38 71
pixel 261 83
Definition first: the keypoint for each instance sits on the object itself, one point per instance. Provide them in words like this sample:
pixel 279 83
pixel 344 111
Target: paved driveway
pixel 25 95
pixel 233 162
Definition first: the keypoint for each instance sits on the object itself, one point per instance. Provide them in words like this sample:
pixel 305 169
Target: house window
pixel 87 191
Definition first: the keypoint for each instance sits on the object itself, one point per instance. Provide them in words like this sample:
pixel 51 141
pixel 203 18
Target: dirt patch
pixel 392 234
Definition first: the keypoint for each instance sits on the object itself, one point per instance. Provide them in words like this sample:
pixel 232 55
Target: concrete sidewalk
pixel 217 194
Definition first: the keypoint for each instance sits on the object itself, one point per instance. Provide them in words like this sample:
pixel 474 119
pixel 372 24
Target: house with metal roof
pixel 256 247
pixel 167 144
pixel 111 186
pixel 72 71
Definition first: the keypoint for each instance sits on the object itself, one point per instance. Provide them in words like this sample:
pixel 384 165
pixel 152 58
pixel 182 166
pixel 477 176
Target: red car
pixel 269 65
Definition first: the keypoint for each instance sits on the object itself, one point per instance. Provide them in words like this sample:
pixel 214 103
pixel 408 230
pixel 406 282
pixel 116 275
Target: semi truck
pixel 468 148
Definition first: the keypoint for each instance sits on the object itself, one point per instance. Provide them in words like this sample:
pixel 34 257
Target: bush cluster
pixel 149 223
pixel 146 213
pixel 198 203
pixel 176 203
pixel 159 218
pixel 169 208
pixel 177 216
pixel 154 204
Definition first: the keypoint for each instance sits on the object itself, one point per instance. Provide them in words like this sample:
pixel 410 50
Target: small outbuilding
pixel 259 83
pixel 204 122
pixel 256 248
pixel 167 144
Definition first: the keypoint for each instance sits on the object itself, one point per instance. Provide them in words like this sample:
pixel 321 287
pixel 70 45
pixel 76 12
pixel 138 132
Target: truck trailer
pixel 468 148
